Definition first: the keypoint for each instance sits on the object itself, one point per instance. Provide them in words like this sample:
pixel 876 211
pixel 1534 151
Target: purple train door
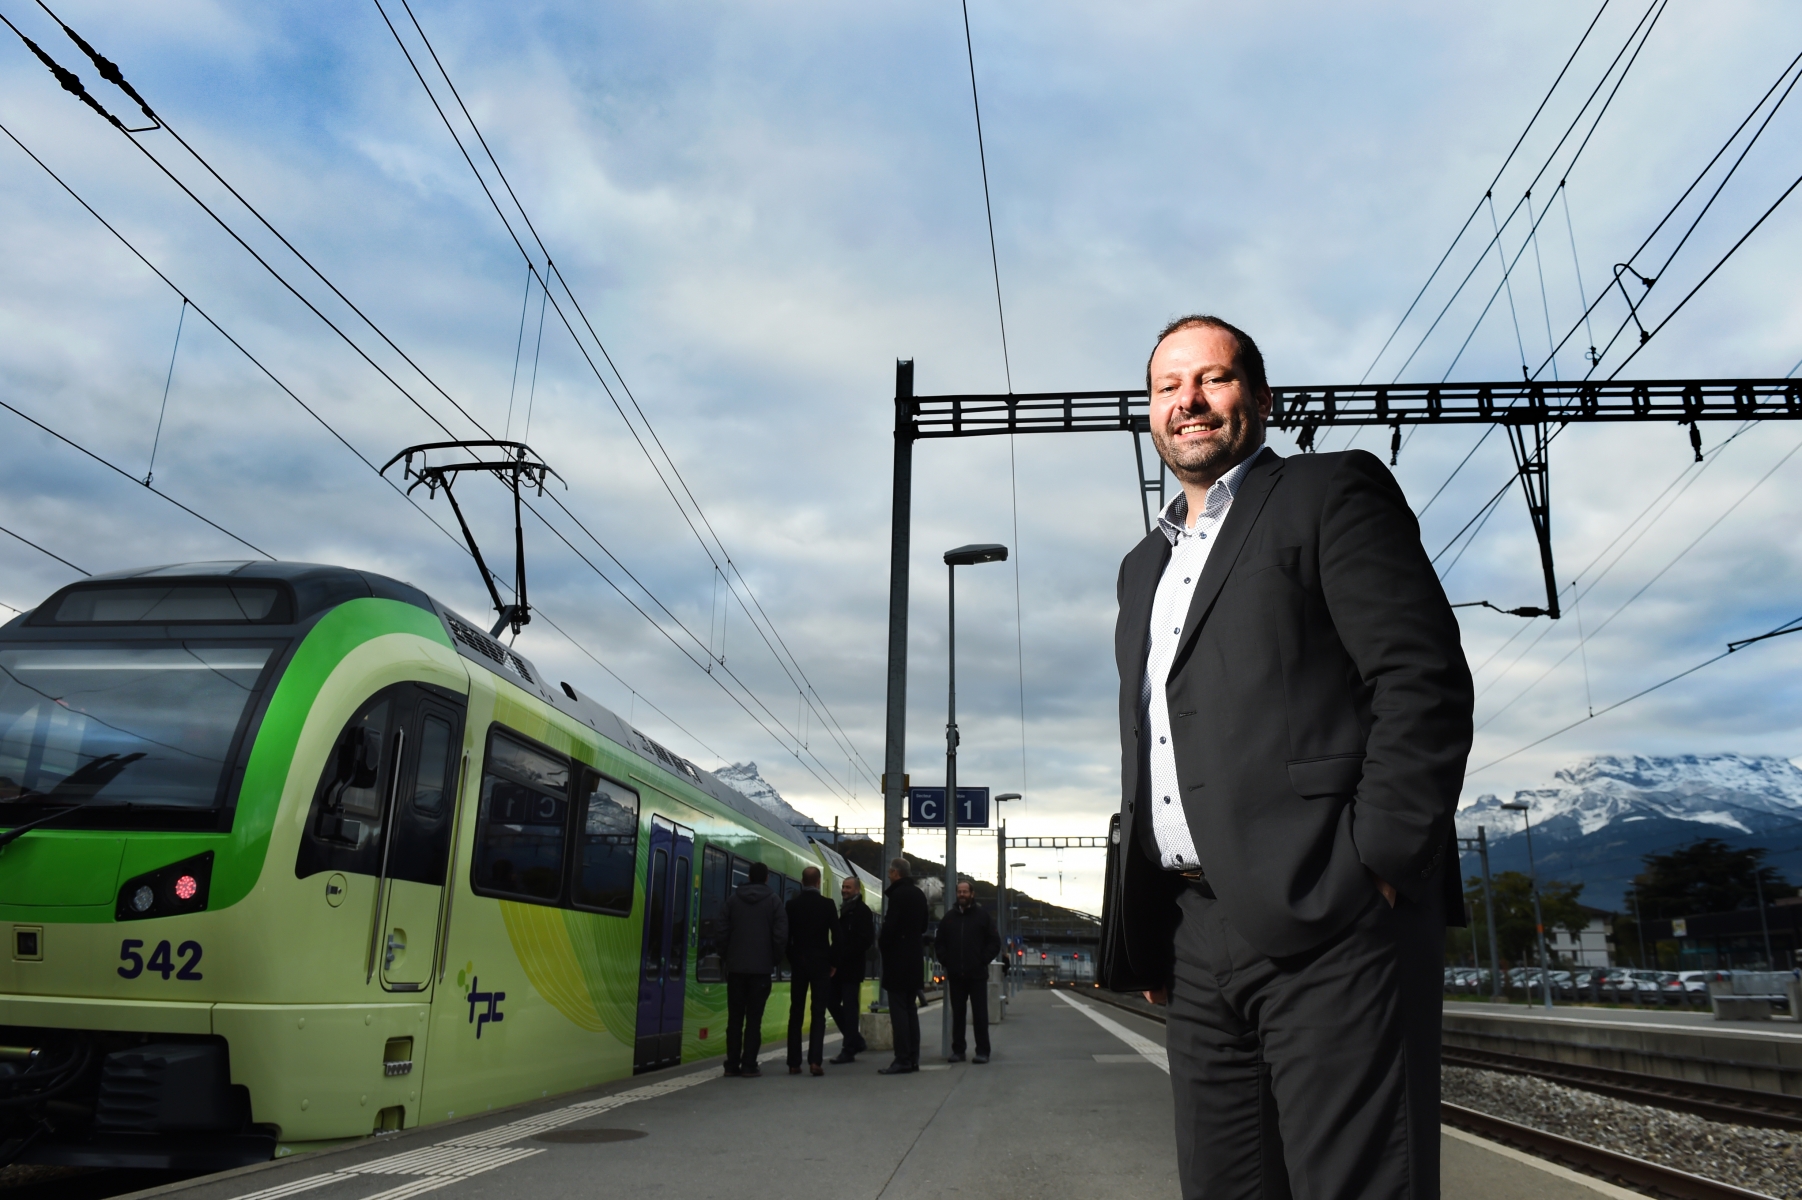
pixel 663 967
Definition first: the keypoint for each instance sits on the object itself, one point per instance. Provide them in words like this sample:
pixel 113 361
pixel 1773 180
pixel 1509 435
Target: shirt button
pixel 1166 799
pixel 1201 535
pixel 1161 741
pixel 1185 581
pixel 1178 629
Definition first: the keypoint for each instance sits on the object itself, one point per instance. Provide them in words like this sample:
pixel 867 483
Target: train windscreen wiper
pixel 84 781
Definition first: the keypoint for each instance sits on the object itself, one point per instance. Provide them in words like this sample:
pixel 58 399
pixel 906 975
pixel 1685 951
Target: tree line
pixel 1703 877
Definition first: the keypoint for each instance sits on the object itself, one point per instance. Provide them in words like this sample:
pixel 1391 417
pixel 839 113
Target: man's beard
pixel 1208 460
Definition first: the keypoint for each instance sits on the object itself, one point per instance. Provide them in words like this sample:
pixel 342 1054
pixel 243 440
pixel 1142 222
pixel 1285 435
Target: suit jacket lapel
pixel 1141 589
pixel 1253 491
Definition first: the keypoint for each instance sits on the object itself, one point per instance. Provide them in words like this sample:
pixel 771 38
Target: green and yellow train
pixel 294 853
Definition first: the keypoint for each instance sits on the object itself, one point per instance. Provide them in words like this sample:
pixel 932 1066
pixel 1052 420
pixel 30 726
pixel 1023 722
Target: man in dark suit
pixel 812 926
pixel 850 947
pixel 754 929
pixel 966 944
pixel 903 964
pixel 1295 714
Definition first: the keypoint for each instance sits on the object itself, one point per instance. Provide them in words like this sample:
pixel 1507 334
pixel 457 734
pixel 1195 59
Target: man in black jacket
pixel 967 943
pixel 1295 714
pixel 812 928
pixel 754 929
pixel 850 948
pixel 903 965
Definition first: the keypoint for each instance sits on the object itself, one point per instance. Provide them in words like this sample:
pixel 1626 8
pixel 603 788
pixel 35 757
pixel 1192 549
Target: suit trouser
pixel 803 983
pixel 975 990
pixel 844 992
pixel 745 997
pixel 904 1020
pixel 1314 1076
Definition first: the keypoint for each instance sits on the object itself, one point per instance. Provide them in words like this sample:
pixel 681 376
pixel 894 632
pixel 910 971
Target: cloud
pixel 762 206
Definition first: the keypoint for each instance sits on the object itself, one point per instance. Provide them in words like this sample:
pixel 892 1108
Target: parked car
pixel 1698 981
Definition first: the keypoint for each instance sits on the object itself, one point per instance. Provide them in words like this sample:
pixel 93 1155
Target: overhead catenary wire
pixel 1684 674
pixel 150 471
pixel 1694 183
pixel 1643 588
pixel 270 268
pixel 988 207
pixel 730 569
pixel 1642 31
pixel 1487 192
pixel 41 550
pixel 293 396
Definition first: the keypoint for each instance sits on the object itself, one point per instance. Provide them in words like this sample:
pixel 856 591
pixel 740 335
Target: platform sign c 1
pixel 926 807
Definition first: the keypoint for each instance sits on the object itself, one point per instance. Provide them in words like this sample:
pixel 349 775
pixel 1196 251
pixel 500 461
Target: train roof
pixel 318 587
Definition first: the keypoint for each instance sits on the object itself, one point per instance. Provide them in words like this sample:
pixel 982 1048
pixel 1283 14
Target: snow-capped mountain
pixel 1605 813
pixel 745 779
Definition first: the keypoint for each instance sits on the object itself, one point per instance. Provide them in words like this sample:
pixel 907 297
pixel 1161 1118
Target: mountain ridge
pixel 1606 812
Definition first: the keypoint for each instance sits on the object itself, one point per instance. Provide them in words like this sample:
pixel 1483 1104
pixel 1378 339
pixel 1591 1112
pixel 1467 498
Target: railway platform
pixel 1075 1103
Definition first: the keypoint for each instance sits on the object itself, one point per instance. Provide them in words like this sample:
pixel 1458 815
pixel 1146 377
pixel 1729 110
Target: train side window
pixel 522 822
pixel 432 785
pixel 716 882
pixel 607 851
pixel 344 828
pixel 741 872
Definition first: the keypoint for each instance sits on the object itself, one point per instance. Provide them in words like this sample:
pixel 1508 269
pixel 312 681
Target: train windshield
pixel 149 726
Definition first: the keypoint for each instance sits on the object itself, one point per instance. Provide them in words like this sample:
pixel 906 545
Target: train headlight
pixel 178 888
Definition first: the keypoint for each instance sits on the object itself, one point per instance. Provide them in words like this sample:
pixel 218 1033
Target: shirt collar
pixel 1174 520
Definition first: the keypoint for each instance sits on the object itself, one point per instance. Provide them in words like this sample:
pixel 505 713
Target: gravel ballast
pixel 1761 1160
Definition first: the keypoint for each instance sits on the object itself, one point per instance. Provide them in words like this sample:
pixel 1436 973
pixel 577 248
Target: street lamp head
pixel 967 556
pixel 1516 807
pixel 1007 796
pixel 1016 864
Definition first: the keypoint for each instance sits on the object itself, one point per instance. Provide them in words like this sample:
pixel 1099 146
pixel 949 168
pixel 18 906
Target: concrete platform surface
pixel 1076 1103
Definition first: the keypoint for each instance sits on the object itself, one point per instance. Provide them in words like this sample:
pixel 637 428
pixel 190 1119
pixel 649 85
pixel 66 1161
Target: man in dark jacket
pixel 1295 714
pixel 754 929
pixel 850 947
pixel 903 966
pixel 967 943
pixel 812 928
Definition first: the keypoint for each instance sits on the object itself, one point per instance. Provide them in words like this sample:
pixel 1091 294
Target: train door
pixel 422 811
pixel 663 966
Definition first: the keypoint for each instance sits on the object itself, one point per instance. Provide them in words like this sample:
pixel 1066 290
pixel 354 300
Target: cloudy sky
pixel 760 207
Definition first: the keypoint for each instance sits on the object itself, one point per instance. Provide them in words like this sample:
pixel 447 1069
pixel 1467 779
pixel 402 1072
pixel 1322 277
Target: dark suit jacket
pixel 856 934
pixel 967 942
pixel 812 925
pixel 1320 708
pixel 901 940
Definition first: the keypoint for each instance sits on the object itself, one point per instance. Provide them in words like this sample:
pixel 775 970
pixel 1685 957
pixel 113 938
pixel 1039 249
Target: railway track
pixel 1717 1102
pixel 1738 1105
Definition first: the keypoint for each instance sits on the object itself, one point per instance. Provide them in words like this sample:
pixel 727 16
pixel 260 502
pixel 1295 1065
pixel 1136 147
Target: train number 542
pixel 160 960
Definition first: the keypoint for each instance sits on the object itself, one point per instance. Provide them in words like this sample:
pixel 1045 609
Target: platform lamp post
pixel 963 556
pixel 1545 961
pixel 1001 884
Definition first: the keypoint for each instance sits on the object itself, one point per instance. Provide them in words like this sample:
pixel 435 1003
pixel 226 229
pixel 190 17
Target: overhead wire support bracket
pixel 1528 441
pixel 519 464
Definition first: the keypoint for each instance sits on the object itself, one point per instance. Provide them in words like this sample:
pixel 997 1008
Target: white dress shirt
pixel 1169 609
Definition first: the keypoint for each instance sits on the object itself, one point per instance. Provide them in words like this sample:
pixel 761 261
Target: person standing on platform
pixel 967 943
pixel 812 928
pixel 850 949
pixel 1295 716
pixel 902 943
pixel 755 929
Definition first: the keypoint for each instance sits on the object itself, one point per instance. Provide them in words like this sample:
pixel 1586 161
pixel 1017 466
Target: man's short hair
pixel 963 879
pixel 760 873
pixel 899 865
pixel 810 877
pixel 1251 359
